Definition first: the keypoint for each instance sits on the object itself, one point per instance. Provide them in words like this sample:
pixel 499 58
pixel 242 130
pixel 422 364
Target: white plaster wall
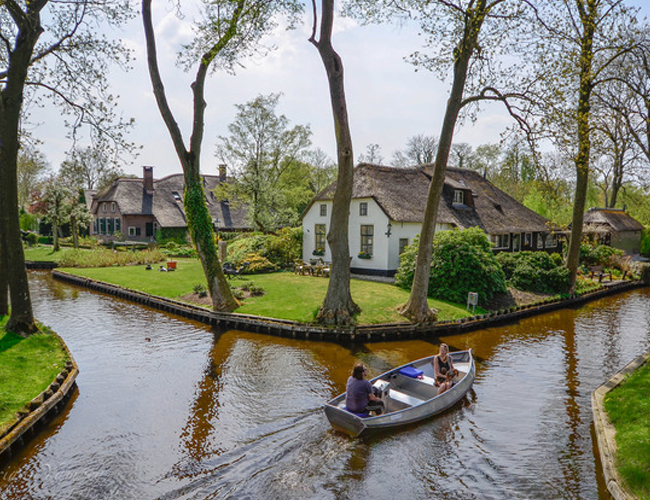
pixel 385 248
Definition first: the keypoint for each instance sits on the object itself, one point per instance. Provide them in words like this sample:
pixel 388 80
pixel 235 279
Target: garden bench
pixel 597 271
pixel 229 270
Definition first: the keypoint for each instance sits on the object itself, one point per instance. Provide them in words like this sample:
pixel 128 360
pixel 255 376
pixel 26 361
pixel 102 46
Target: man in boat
pixel 359 396
pixel 443 369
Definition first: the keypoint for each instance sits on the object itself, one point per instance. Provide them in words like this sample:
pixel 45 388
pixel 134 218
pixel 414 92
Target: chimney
pixel 147 177
pixel 222 173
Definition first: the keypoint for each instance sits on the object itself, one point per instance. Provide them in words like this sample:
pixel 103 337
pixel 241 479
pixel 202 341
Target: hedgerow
pixel 462 262
pixel 534 271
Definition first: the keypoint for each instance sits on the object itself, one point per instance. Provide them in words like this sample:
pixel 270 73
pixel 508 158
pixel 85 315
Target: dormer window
pixel 104 207
pixel 176 196
pixel 112 206
pixel 459 196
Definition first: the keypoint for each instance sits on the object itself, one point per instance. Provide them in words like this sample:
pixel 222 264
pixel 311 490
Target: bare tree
pixel 338 307
pixel 420 149
pixel 230 30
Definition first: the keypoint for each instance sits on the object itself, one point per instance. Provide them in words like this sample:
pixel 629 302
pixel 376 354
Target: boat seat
pixel 404 398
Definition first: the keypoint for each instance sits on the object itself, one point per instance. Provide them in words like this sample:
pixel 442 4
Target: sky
pixel 388 101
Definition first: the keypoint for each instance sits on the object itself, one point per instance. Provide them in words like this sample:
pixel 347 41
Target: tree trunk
pixel 338 307
pixel 199 220
pixel 55 237
pixel 21 320
pixel 417 308
pixel 588 21
pixel 4 269
pixel 74 229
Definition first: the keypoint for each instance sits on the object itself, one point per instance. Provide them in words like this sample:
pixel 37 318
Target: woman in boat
pixel 359 396
pixel 443 369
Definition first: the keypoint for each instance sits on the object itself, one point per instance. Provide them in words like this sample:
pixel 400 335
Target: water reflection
pixel 193 413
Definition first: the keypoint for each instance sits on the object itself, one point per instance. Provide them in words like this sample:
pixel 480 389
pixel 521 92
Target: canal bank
pixel 41 409
pixel 355 333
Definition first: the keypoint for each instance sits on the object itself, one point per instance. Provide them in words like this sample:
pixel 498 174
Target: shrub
pixel 256 263
pixel 598 255
pixel 462 262
pixel 103 257
pixel 282 249
pixel 645 243
pixel 253 289
pixel 32 239
pixel 200 289
pixel 534 272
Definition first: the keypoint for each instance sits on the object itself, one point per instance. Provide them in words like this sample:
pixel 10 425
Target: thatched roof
pixel 402 195
pixel 166 201
pixel 613 219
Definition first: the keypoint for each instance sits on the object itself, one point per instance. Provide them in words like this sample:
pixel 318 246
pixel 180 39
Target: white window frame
pixel 501 241
pixel 459 196
pixel 131 230
pixel 540 241
pixel 323 210
pixel 104 207
pixel 113 206
pixel 551 241
pixel 367 240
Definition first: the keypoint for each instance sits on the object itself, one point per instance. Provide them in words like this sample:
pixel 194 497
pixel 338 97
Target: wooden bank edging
pixel 606 433
pixel 51 401
pixel 360 333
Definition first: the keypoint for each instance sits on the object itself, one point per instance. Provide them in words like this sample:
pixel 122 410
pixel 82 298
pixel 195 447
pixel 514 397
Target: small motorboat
pixel 409 394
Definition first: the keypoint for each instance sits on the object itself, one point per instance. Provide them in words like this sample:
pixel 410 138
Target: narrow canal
pixel 167 408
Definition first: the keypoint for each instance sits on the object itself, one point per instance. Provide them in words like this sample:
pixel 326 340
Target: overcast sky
pixel 388 101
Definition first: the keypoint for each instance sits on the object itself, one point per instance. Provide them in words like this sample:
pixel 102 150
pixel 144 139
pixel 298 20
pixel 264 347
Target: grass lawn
pixel 41 253
pixel 287 296
pixel 628 407
pixel 27 367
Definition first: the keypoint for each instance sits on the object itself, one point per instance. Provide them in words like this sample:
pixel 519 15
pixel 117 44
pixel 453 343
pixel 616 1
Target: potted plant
pixel 365 255
pixel 319 251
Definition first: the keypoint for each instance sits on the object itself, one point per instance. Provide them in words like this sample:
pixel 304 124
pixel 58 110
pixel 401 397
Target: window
pixel 528 239
pixel 176 196
pixel 367 233
pixel 134 231
pixel 112 206
pixel 551 241
pixel 363 208
pixel 459 196
pixel 501 240
pixel 540 240
pixel 95 227
pixel 319 243
pixel 104 207
pixel 403 243
pixel 102 226
pixel 323 210
pixel 118 225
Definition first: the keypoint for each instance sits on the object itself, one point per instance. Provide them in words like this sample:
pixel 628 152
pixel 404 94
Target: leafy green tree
pixel 462 262
pixel 229 31
pixel 32 170
pixel 589 36
pixel 264 153
pixel 57 198
pixel 338 307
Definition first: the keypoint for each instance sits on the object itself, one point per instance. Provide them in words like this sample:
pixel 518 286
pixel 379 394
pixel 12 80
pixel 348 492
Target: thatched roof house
pixel 613 226
pixel 138 208
pixel 394 199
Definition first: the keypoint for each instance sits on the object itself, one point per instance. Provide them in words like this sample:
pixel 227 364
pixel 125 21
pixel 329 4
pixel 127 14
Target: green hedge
pixel 462 262
pixel 281 249
pixel 535 271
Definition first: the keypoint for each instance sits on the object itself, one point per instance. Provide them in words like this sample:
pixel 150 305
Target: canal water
pixel 167 408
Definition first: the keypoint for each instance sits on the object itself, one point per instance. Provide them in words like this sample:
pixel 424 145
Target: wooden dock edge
pixel 606 433
pixel 355 333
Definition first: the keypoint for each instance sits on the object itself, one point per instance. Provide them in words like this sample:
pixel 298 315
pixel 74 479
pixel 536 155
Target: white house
pixel 387 210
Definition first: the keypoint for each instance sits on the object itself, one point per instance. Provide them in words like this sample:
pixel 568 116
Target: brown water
pixel 195 414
